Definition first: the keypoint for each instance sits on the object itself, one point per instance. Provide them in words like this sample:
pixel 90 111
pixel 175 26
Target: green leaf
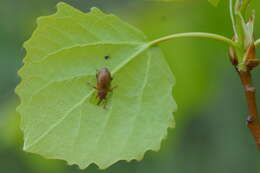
pixel 214 2
pixel 60 118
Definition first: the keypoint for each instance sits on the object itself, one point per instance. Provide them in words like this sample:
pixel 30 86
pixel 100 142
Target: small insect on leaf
pixel 103 85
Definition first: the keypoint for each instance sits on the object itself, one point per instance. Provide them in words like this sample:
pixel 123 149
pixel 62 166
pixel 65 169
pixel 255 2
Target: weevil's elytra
pixel 103 85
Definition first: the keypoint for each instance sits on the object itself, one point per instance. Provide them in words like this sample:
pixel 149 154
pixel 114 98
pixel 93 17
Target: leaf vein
pixel 140 100
pixel 84 45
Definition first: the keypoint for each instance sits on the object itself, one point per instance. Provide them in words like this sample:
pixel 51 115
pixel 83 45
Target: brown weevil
pixel 103 85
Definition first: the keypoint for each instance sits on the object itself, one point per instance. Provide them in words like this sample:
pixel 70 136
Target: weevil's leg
pixel 99 101
pixel 97 72
pixel 89 84
pixel 111 89
pixel 105 104
pixel 103 101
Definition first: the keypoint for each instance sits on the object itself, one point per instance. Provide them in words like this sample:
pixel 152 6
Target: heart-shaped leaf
pixel 60 117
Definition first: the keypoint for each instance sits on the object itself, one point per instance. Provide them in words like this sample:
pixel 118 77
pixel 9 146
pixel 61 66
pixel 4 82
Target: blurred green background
pixel 210 134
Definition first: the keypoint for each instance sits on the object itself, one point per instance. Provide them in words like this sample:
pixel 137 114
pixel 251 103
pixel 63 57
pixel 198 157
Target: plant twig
pixel 252 121
pixel 244 69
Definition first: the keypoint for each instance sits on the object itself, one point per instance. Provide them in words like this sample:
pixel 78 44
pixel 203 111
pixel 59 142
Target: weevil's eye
pixel 106 57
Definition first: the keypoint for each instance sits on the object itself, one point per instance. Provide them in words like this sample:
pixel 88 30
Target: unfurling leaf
pixel 60 117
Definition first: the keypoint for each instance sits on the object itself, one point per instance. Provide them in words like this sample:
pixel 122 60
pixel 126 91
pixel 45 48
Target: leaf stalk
pixel 194 35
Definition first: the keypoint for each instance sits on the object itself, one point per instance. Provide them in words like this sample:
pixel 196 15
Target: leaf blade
pixel 56 106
